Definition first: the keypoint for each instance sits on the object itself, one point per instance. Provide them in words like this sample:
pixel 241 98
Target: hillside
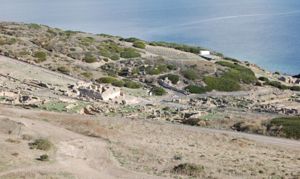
pixel 122 107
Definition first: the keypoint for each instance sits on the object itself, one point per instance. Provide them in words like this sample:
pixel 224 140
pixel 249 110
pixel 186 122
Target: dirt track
pixel 124 140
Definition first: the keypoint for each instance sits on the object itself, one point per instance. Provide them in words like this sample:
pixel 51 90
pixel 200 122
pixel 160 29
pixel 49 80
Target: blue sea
pixel 266 32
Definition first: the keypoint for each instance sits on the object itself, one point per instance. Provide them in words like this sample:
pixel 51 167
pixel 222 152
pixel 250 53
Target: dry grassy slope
pixel 68 48
pixel 143 146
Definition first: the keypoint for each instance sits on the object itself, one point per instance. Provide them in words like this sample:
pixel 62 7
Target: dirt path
pixel 81 156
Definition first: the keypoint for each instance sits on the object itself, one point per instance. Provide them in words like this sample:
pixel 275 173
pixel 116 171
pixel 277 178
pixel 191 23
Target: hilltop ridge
pixel 109 87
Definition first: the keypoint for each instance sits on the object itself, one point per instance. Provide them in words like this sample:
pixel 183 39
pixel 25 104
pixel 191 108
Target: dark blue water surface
pixel 266 32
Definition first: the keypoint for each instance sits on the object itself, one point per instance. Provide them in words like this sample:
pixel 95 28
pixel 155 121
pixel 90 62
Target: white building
pixel 204 53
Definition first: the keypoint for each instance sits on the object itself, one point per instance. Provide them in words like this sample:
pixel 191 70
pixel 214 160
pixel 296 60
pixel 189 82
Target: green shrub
pixel 189 169
pixel 130 53
pixel 158 91
pixel 173 78
pixel 221 84
pixel 63 69
pixel 89 58
pixel 87 74
pixel 171 67
pixel 277 73
pixel 40 56
pixel 115 57
pixel 196 89
pixel 290 126
pixel 231 59
pixel 157 69
pixel 86 41
pixel 265 79
pixel 181 47
pixel 43 158
pixel 54 106
pixel 139 44
pixel 118 83
pixel 9 41
pixel 277 84
pixel 41 144
pixel 132 84
pixel 130 39
pixel 238 73
pixel 34 26
pixel 190 74
pixel 295 88
pixel 107 79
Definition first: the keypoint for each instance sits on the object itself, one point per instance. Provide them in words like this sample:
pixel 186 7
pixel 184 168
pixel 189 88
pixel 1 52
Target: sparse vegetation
pixel 189 169
pixel 196 89
pixel 182 47
pixel 238 73
pixel 130 53
pixel 265 79
pixel 87 74
pixel 107 79
pixel 139 44
pixel 34 26
pixel 89 58
pixel 54 106
pixel 158 91
pixel 173 78
pixel 40 56
pixel 43 158
pixel 63 69
pixel 130 39
pixel 7 41
pixel 190 74
pixel 277 84
pixel 119 83
pixel 132 84
pixel 41 144
pixel 157 69
pixel 221 84
pixel 287 127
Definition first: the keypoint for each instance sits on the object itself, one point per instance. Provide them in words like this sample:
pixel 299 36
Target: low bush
pixel 130 53
pixel 158 91
pixel 288 127
pixel 41 144
pixel 63 69
pixel 130 39
pixel 87 74
pixel 190 74
pixel 89 58
pixel 221 84
pixel 157 69
pixel 40 56
pixel 173 78
pixel 139 44
pixel 118 83
pixel 132 84
pixel 107 79
pixel 181 47
pixel 115 57
pixel 277 84
pixel 189 169
pixel 265 79
pixel 196 89
pixel 295 88
pixel 43 158
pixel 10 41
pixel 238 73
pixel 34 26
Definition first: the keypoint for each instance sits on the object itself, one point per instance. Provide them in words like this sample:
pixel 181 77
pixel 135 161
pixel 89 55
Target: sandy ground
pixel 11 66
pixel 123 148
pixel 75 155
